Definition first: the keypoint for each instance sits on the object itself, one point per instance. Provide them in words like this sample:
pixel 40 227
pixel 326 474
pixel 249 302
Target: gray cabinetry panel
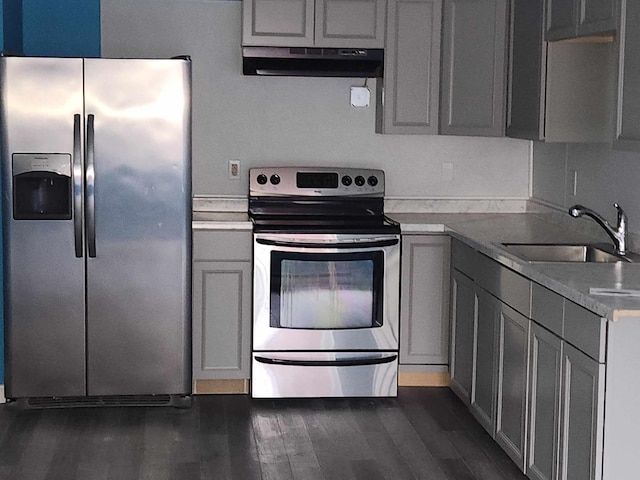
pixel 545 369
pixel 350 23
pixel 483 385
pixel 547 308
pixel 222 304
pixel 424 309
pixel 582 413
pixel 511 405
pixel 628 102
pixel 585 330
pixel 473 67
pixel 561 19
pixel 463 313
pixel 287 23
pixel 596 16
pixel 412 68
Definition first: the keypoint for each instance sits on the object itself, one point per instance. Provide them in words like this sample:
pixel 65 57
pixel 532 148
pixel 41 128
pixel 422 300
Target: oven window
pixel 326 291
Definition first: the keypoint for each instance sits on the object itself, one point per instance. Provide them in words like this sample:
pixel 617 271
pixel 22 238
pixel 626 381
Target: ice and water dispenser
pixel 42 186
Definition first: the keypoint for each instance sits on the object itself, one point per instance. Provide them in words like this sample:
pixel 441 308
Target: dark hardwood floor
pixel 425 433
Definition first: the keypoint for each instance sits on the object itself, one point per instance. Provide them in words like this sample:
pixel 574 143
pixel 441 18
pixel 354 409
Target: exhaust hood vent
pixel 312 62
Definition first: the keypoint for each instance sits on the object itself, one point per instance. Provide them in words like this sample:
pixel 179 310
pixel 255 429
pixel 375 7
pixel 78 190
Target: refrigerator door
pixel 41 115
pixel 138 226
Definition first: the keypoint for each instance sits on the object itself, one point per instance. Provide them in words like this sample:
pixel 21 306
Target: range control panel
pixel 323 181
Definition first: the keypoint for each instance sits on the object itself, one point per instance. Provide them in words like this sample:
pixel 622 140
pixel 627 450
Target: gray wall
pixel 604 176
pixel 304 121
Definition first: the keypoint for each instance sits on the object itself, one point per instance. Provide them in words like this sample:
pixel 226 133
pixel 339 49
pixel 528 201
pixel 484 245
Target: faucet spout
pixel 618 233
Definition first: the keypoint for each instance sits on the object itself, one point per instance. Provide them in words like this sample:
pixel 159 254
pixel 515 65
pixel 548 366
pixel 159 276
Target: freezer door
pixel 41 114
pixel 138 225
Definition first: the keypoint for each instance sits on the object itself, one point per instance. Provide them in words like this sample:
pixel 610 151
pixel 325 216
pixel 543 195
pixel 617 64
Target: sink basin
pixel 537 252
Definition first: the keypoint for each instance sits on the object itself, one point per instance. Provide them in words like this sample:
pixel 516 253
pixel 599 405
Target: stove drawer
pixel 324 374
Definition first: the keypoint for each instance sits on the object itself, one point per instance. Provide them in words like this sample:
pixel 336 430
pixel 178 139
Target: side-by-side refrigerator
pixel 96 197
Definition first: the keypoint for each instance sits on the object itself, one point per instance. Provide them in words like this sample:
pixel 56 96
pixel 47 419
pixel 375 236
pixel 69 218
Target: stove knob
pixel 372 180
pixel 347 180
pixel 275 179
pixel 359 180
pixel 262 179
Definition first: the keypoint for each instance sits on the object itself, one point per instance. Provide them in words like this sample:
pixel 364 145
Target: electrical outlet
pixel 234 170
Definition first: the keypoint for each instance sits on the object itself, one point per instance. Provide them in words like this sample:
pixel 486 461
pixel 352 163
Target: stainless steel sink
pixel 536 252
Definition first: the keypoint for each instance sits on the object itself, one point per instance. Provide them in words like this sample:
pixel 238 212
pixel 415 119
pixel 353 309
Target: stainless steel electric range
pixel 326 281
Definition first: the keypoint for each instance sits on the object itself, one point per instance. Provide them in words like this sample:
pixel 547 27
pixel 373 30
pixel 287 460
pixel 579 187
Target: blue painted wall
pixel 62 28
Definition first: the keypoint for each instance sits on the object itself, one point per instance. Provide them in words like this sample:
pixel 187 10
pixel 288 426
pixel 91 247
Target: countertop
pixel 486 231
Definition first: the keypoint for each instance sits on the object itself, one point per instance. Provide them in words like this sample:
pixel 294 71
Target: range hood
pixel 312 62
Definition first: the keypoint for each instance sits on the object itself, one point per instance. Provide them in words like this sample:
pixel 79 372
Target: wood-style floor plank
pixel 424 433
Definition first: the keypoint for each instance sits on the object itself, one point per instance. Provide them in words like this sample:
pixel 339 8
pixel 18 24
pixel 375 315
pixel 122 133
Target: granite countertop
pixel 221 221
pixel 485 233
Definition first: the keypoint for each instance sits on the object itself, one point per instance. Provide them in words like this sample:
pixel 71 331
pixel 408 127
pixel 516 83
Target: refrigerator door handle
pixel 89 186
pixel 77 186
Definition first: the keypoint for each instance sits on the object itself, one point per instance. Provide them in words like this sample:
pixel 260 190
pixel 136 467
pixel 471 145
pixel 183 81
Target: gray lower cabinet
pixel 545 375
pixel 408 96
pixel 511 402
pixel 582 416
pixel 221 304
pixel 474 67
pixel 627 135
pixel 463 313
pixel 484 378
pixel 541 396
pixel 424 308
pixel 314 23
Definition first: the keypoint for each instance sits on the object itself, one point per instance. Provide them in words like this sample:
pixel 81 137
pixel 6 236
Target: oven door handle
pixel 373 244
pixel 355 362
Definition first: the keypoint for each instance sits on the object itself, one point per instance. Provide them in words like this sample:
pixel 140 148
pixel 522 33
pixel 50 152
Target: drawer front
pixel 510 287
pixel 585 330
pixel 222 245
pixel 464 258
pixel 547 309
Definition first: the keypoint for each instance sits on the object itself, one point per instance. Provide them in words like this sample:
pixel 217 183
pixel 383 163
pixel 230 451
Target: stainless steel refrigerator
pixel 96 196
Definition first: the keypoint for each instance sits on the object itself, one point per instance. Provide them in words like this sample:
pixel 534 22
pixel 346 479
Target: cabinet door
pixel 463 314
pixel 474 67
pixel 596 16
pixel 287 23
pixel 483 384
pixel 526 71
pixel 350 23
pixel 561 19
pixel 545 367
pixel 221 319
pixel 628 103
pixel 424 309
pixel 582 414
pixel 411 68
pixel 511 403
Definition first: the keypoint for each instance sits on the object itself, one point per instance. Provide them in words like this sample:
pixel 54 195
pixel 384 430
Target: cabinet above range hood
pixel 312 62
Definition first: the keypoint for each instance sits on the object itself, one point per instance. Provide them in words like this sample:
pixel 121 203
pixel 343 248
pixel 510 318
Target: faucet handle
pixel 622 217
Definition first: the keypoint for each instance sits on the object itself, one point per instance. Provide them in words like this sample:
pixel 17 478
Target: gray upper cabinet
pixel 314 23
pixel 473 81
pixel 558 91
pixel 628 100
pixel 424 308
pixel 577 18
pixel 411 85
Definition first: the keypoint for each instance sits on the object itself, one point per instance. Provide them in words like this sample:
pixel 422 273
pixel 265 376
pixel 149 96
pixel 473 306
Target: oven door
pixel 326 292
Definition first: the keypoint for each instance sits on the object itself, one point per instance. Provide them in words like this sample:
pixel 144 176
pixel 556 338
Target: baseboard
pixel 423 379
pixel 204 387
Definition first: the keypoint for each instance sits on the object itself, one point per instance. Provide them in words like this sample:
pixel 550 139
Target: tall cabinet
pixel 474 55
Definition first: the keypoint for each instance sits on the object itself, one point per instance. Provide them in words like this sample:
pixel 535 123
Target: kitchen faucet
pixel 618 234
